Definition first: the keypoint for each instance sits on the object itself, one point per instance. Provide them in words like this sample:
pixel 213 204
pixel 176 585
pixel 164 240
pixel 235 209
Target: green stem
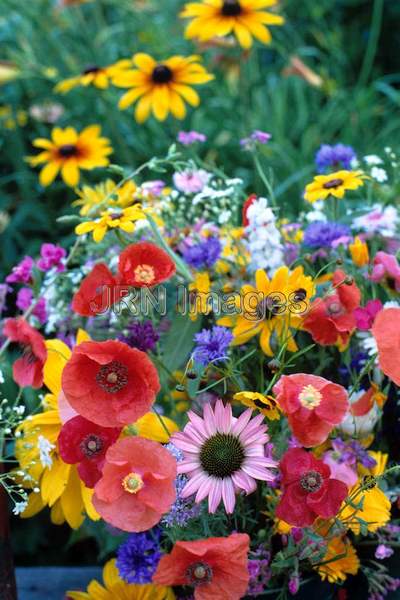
pixel 163 425
pixel 375 30
pixel 264 179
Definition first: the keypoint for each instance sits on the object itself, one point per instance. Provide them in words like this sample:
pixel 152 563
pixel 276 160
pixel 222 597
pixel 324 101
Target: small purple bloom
pixel 212 344
pixel 259 571
pixel 294 584
pixel 142 336
pixel 51 256
pixel 187 138
pixel 320 234
pixel 262 137
pixel 204 254
pixel 336 157
pixel 191 181
pixel 154 188
pixel 183 509
pixel 21 273
pixel 138 557
pixel 383 551
pixel 24 301
pixel 352 452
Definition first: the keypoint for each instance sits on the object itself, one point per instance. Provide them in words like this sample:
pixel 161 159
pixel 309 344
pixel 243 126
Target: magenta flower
pixel 21 273
pixel 51 256
pixel 191 182
pixel 24 301
pixel 187 138
pixel 365 316
pixel 223 455
pixel 386 270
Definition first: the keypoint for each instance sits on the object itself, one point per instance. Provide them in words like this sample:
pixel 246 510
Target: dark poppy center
pixel 91 445
pixel 90 69
pixel 68 150
pixel 222 455
pixel 162 74
pixel 198 573
pixel 311 481
pixel 300 295
pixel 333 183
pixel 231 8
pixel 335 309
pixel 112 377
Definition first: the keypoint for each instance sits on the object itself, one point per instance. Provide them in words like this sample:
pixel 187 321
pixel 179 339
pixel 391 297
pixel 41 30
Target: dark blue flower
pixel 320 234
pixel 334 157
pixel 204 254
pixel 142 336
pixel 138 557
pixel 212 344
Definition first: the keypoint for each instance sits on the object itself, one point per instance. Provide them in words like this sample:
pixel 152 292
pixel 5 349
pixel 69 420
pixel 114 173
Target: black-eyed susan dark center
pixel 112 377
pixel 162 74
pixel 333 183
pixel 222 455
pixel 91 445
pixel 231 8
pixel 91 69
pixel 68 150
pixel 311 481
pixel 198 573
pixel 269 308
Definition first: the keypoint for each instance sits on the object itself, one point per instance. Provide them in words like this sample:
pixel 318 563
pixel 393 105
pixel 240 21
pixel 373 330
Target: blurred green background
pixel 351 45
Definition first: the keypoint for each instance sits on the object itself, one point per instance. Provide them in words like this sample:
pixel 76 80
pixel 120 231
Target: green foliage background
pixel 352 44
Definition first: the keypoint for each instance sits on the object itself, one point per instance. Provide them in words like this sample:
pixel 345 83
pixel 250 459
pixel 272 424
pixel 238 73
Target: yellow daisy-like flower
pixel 199 295
pixel 60 486
pixel 334 184
pixel 149 427
pixel 161 87
pixel 116 218
pixel 69 151
pixel 359 252
pixel 105 194
pixel 375 509
pixel 116 589
pixel 340 560
pixel 99 77
pixel 265 404
pixel 273 306
pixel 218 18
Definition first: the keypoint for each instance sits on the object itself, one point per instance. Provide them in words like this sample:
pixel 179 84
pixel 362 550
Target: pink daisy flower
pixel 223 455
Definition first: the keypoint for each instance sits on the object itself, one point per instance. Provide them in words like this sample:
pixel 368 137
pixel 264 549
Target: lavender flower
pixel 138 557
pixel 24 301
pixel 336 157
pixel 260 572
pixel 212 344
pixel 142 336
pixel 383 551
pixel 187 138
pixel 320 234
pixel 183 509
pixel 351 452
pixel 51 256
pixel 257 137
pixel 21 273
pixel 204 254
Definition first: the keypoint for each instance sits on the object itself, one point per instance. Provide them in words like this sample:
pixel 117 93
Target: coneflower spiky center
pixel 222 455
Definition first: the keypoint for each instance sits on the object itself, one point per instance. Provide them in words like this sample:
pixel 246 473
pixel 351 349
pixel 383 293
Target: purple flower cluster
pixel 352 452
pixel 187 138
pixel 320 234
pixel 142 336
pixel 24 301
pixel 22 272
pixel 257 137
pixel 138 557
pixel 260 572
pixel 51 256
pixel 334 157
pixel 204 254
pixel 183 509
pixel 212 344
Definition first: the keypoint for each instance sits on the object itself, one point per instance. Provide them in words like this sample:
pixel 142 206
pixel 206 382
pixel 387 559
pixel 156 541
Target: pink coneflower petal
pixel 209 420
pixel 187 466
pixel 215 495
pixel 193 484
pixel 181 442
pixel 228 495
pixel 204 490
pixel 258 472
pixel 244 481
pixel 241 422
pixel 198 423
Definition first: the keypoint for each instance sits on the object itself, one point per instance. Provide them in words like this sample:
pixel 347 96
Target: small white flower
pixel 379 174
pixel 373 159
pixel 19 507
pixel 45 447
pixel 1 377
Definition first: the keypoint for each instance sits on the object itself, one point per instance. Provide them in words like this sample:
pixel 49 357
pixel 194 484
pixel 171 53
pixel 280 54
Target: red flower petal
pixel 144 265
pixel 327 501
pixel 98 292
pixel 386 331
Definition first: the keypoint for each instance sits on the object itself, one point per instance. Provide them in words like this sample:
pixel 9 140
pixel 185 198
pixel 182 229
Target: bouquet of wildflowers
pixel 201 384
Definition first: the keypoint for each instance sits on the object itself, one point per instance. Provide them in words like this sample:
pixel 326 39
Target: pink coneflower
pixel 223 455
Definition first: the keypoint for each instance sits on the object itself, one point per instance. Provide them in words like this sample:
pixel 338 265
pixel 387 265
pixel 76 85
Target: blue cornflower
pixel 320 234
pixel 212 344
pixel 138 557
pixel 334 157
pixel 203 254
pixel 142 336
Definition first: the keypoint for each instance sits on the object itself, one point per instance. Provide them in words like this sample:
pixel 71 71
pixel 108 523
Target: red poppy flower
pixel 245 207
pixel 27 370
pixel 386 331
pixel 98 291
pixel 110 383
pixel 308 490
pixel 216 567
pixel 137 486
pixel 331 320
pixel 145 265
pixel 313 405
pixel 83 442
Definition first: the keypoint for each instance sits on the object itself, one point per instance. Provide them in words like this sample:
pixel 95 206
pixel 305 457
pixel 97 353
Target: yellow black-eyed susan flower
pixel 161 87
pixel 265 404
pixel 334 184
pixel 69 151
pixel 218 18
pixel 99 77
pixel 104 195
pixel 113 218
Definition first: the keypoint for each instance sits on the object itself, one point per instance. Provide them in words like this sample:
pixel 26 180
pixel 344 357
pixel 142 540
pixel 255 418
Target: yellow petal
pixel 58 354
pixel 49 173
pixel 70 173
